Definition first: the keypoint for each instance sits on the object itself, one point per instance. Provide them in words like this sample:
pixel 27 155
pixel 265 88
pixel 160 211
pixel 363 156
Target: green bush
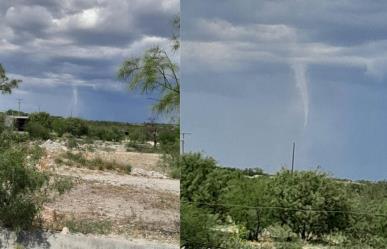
pixel 309 190
pixel 19 202
pixel 9 138
pixel 137 136
pixel 197 228
pixel 86 226
pixel 59 126
pixel 77 127
pixel 37 131
pixel 42 118
pixel 170 142
pixel 196 169
pixel 63 184
pixel 107 133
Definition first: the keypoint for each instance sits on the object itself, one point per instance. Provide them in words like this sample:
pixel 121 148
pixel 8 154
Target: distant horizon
pixel 87 119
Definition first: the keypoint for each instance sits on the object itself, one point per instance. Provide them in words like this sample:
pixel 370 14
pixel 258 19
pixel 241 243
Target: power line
pixel 19 103
pixel 287 208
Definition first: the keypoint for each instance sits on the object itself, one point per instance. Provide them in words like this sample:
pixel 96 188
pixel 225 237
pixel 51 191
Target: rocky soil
pixel 141 205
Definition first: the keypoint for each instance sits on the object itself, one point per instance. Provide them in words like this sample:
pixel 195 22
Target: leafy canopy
pixel 7 84
pixel 155 71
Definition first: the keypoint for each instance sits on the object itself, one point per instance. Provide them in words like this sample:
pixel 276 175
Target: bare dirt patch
pixel 143 204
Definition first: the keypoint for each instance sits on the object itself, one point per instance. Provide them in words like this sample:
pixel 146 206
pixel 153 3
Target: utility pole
pixel 182 140
pixel 19 103
pixel 294 148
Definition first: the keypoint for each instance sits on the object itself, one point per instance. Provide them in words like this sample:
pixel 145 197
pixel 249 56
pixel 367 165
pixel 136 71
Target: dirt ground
pixel 143 204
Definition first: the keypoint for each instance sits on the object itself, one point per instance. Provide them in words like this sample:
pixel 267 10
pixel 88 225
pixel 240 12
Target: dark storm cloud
pixel 79 41
pixel 67 53
pixel 341 22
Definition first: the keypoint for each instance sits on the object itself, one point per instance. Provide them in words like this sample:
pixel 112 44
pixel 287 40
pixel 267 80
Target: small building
pixel 18 123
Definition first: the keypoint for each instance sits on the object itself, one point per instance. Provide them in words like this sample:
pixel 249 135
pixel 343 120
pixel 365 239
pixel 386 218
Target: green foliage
pixel 2 119
pixel 9 138
pixel 43 118
pixel 156 72
pixel 288 209
pixel 197 228
pixel 37 131
pixel 7 84
pixel 59 125
pixel 196 169
pixel 211 189
pixel 76 127
pixel 170 141
pixel 137 135
pixel 242 193
pixel 79 160
pixel 106 134
pixel 172 164
pixel 281 233
pixel 21 183
pixel 253 171
pixel 309 190
pixel 63 184
pixel 170 147
pixel 87 226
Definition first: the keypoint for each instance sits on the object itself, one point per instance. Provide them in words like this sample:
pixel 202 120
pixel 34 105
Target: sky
pixel 260 75
pixel 67 53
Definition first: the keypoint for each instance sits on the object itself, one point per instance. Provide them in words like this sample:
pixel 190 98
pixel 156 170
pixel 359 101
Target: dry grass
pixel 79 160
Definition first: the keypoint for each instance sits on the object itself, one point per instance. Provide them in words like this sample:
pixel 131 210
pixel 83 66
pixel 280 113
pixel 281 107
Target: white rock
pixel 65 230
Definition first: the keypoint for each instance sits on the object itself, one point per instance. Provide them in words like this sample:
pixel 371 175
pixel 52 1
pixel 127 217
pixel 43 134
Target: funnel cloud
pixel 302 85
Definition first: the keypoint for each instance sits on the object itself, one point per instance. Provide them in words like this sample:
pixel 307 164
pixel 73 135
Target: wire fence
pixel 352 246
pixel 287 208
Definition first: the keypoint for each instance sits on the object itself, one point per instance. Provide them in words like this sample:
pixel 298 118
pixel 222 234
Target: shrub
pixel 86 226
pixel 107 134
pixel 96 163
pixel 128 169
pixel 37 131
pixel 197 228
pixel 76 127
pixel 42 118
pixel 137 136
pixel 310 190
pixel 71 143
pixel 9 138
pixel 170 142
pixel 59 126
pixel 63 184
pixel 196 169
pixel 19 189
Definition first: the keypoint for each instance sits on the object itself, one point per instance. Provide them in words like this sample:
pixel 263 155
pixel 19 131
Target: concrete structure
pixel 17 123
pixel 47 240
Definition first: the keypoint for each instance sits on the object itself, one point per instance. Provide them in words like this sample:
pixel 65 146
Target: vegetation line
pixel 286 208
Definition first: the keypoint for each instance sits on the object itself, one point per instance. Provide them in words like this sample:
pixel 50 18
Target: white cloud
pixel 28 17
pixel 224 31
pixel 85 19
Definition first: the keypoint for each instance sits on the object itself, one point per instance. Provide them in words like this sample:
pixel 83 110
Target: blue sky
pixel 67 53
pixel 258 75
